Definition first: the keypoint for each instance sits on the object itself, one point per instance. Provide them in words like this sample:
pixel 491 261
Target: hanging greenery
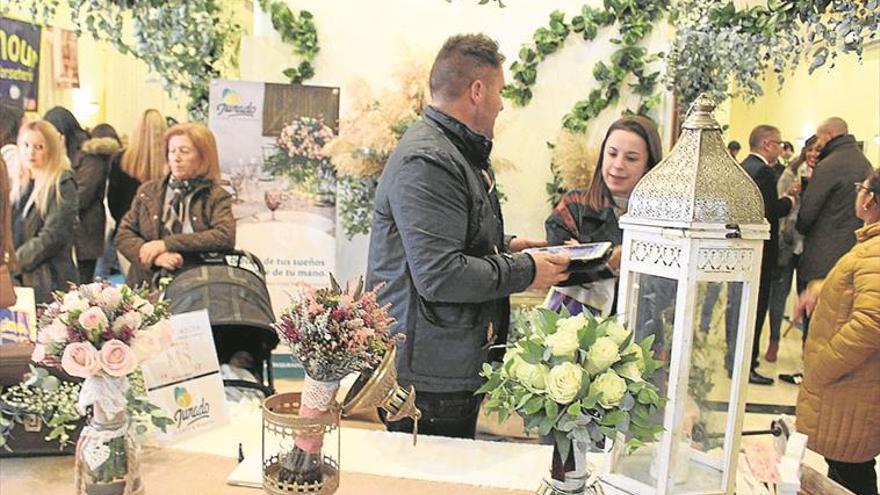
pixel 716 43
pixel 297 30
pixel 186 42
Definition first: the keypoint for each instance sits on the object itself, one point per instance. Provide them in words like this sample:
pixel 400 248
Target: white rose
pixel 601 355
pixel 110 298
pixel 533 376
pixel 93 319
pixel 563 382
pixel 616 332
pixel 91 291
pixel 574 323
pixel 72 302
pixel 131 319
pixel 630 370
pixel 610 388
pixel 565 341
pixel 634 348
pixel 145 309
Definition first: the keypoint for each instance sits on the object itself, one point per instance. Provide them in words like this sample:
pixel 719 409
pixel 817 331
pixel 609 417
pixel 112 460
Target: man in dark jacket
pixel 826 218
pixel 765 146
pixel 438 245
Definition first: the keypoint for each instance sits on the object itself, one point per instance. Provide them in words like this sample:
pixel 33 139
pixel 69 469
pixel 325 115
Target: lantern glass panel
pixel 702 435
pixel 651 311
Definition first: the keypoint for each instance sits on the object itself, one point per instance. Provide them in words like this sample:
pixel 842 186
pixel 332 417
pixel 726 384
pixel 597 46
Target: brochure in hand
pixel 589 262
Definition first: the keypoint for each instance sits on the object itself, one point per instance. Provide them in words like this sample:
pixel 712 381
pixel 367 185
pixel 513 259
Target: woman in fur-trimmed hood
pixel 90 170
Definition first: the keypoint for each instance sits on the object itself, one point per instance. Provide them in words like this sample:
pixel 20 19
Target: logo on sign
pixel 231 106
pixel 187 414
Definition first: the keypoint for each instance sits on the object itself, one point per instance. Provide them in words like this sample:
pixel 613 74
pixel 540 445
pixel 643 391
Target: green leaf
pixel 546 426
pixel 612 418
pixel 574 408
pixel 552 408
pixel 563 444
pixel 533 405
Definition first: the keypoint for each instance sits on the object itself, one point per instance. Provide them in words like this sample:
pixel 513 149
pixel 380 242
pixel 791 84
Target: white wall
pixel 369 39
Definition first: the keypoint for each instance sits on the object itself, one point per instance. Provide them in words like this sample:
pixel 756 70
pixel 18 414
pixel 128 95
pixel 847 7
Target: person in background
pixel 7 247
pixel 438 251
pixel 783 159
pixel 71 130
pixel 44 213
pixel 142 160
pixel 90 171
pixel 631 147
pixel 838 398
pixel 184 213
pixel 733 148
pixel 825 219
pixel 791 245
pixel 11 120
pixel 765 145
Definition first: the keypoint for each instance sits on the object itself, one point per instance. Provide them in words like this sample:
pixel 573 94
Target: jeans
pixel 857 477
pixel 780 287
pixel 452 414
pixel 108 263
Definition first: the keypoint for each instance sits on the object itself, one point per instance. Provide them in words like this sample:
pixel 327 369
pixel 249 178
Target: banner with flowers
pixel 270 138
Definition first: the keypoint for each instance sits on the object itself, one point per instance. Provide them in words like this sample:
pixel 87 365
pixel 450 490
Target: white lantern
pixel 691 260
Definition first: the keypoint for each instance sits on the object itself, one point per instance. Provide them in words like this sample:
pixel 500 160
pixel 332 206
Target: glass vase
pixel 573 475
pixel 107 456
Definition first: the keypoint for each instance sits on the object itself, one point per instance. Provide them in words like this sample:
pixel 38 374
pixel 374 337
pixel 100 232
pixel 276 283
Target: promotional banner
pixel 185 381
pixel 19 63
pixel 65 58
pixel 269 138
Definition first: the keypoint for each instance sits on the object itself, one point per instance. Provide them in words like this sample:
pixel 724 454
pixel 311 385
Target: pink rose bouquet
pixel 93 328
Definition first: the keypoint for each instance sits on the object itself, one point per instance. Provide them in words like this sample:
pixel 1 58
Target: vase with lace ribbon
pixel 107 456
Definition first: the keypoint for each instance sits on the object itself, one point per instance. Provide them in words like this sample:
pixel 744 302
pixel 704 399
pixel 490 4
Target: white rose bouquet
pixel 577 379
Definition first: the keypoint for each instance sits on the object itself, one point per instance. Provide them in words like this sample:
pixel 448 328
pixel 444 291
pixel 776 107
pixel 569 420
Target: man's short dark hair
pixel 759 134
pixel 462 60
pixel 786 145
pixel 734 146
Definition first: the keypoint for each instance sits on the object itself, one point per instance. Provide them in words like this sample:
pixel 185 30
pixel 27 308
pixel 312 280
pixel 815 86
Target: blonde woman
pixel 141 161
pixel 44 213
pixel 184 213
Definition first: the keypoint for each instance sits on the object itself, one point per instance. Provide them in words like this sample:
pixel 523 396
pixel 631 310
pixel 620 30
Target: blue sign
pixel 19 64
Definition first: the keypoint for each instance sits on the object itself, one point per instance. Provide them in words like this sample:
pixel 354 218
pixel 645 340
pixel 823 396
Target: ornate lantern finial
pixel 700 116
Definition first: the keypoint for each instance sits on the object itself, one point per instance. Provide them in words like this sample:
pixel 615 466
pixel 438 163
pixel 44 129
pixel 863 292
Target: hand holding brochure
pixel 589 262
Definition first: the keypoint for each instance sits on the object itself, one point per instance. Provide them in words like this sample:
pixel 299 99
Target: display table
pixel 173 472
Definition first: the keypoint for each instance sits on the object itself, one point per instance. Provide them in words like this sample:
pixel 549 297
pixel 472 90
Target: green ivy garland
pixel 186 42
pixel 297 30
pixel 635 19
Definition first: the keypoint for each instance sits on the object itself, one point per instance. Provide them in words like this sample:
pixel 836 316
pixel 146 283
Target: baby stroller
pixel 232 287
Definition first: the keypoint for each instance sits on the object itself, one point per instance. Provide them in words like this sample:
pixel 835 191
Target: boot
pixel 772 350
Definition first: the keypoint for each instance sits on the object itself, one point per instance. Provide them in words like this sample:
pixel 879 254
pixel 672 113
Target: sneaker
pixel 794 378
pixel 772 350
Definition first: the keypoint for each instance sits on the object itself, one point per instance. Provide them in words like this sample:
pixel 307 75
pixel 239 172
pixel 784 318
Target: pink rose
pixel 80 359
pixel 117 359
pixel 145 345
pixel 93 319
pixel 39 353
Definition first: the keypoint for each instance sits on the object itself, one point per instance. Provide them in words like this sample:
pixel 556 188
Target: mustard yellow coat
pixel 839 401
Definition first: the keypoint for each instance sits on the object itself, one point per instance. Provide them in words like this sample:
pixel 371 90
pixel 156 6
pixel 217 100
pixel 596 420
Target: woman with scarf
pixel 184 213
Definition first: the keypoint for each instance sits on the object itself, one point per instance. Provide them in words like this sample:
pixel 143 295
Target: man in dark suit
pixel 765 146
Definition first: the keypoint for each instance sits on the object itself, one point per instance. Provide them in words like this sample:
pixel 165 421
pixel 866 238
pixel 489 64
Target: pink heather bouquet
pixel 100 328
pixel 335 332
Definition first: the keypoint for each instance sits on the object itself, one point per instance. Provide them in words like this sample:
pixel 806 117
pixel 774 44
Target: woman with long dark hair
pixel 631 147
